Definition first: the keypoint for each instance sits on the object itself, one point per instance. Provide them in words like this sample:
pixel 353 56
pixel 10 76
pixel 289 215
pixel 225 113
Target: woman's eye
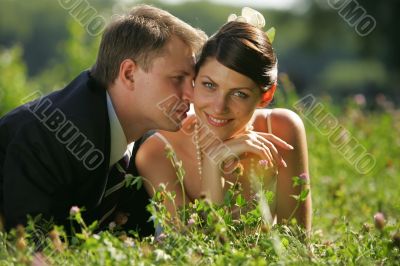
pixel 240 94
pixel 208 85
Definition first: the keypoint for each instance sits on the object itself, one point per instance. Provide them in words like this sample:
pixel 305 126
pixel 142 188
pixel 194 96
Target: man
pixel 66 149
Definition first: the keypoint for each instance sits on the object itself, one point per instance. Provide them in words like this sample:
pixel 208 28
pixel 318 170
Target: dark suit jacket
pixel 54 154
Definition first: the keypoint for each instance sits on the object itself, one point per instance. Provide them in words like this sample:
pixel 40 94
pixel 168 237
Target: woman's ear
pixel 267 96
pixel 126 73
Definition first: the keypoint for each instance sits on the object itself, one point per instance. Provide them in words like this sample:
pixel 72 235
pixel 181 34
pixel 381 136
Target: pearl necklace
pixel 198 150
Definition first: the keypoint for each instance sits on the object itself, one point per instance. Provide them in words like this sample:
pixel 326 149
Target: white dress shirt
pixel 118 144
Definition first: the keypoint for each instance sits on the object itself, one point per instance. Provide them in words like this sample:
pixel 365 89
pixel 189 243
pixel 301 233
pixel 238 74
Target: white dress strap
pixel 167 143
pixel 161 137
pixel 269 121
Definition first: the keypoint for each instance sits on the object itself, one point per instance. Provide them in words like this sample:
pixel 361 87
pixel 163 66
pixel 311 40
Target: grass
pixel 344 204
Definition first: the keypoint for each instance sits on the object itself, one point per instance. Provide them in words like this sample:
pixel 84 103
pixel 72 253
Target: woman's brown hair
pixel 243 48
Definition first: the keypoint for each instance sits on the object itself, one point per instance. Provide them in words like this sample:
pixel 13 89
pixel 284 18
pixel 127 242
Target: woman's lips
pixel 217 122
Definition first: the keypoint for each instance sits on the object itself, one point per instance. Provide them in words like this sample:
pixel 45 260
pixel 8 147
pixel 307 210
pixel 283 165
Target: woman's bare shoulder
pixel 151 150
pixel 284 122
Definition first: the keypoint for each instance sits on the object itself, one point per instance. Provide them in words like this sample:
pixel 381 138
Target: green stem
pixel 294 210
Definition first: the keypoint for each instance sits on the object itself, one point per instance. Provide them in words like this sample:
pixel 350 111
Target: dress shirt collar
pixel 119 146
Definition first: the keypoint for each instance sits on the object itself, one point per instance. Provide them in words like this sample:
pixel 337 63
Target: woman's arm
pixel 259 144
pixel 153 164
pixel 289 126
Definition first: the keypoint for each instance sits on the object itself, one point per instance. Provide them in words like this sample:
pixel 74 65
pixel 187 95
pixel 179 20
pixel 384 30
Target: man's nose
pixel 187 92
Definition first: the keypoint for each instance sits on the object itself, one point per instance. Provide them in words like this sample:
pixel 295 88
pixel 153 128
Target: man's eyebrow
pixel 187 73
pixel 184 73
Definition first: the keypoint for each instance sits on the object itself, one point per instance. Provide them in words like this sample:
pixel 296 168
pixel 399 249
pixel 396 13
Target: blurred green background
pixel 42 45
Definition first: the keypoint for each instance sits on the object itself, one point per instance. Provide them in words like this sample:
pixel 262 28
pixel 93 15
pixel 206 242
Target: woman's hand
pixel 259 143
pixel 224 156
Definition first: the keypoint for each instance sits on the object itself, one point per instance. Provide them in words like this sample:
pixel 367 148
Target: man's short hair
pixel 141 36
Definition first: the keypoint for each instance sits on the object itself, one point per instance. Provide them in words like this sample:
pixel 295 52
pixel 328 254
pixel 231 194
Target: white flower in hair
pixel 250 16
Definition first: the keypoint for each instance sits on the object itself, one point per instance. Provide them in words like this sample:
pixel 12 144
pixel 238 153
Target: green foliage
pixel 344 201
pixel 271 34
pixel 14 84
pixel 240 201
pixel 79 53
pixel 344 75
pixel 344 204
pixel 318 49
pixel 80 50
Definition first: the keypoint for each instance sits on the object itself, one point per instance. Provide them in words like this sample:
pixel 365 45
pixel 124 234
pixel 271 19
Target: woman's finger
pixel 257 144
pixel 270 154
pixel 274 152
pixel 261 151
pixel 278 141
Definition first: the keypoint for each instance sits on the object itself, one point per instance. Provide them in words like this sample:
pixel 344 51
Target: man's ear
pixel 267 96
pixel 127 69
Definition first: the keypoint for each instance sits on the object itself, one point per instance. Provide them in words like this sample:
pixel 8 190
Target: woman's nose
pixel 220 104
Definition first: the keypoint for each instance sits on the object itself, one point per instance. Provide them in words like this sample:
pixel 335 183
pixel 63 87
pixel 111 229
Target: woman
pixel 236 73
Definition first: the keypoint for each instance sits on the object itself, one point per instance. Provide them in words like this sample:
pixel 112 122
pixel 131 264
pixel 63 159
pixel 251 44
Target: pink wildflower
pixel 74 210
pixel 263 163
pixel 379 220
pixel 191 222
pixel 304 176
pixel 360 99
pixel 112 225
pixel 161 237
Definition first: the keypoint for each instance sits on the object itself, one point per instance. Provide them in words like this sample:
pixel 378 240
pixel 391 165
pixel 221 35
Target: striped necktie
pixel 116 181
